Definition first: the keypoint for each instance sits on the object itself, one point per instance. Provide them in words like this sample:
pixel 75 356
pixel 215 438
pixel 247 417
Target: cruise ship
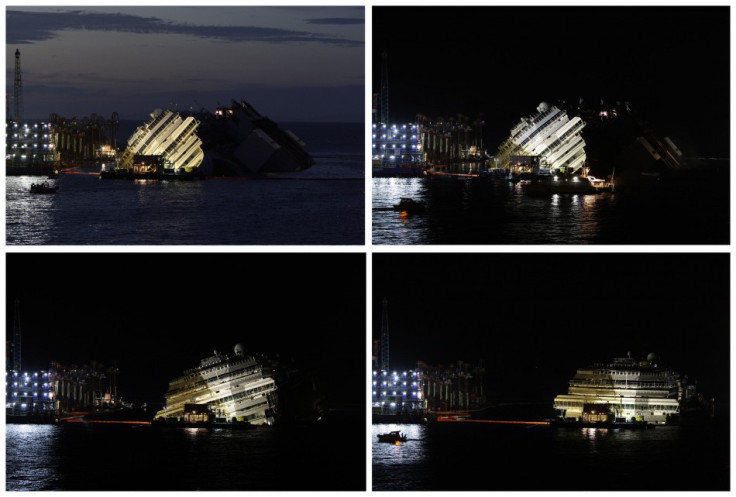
pixel 239 141
pixel 233 141
pixel 222 389
pixel 623 391
pixel 550 137
pixel 167 144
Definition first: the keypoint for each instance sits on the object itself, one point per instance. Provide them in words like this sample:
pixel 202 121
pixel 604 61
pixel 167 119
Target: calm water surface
pixel 694 210
pixel 469 456
pixel 124 457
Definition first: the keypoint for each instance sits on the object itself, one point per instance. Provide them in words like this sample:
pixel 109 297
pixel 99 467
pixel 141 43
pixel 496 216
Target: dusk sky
pixel 158 314
pixel 294 63
pixel 672 63
pixel 535 318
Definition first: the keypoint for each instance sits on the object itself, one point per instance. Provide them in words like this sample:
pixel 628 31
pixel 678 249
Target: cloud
pixel 24 27
pixel 335 20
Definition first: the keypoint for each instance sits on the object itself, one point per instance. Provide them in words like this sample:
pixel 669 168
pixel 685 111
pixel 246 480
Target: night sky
pixel 671 63
pixel 535 318
pixel 291 63
pixel 158 314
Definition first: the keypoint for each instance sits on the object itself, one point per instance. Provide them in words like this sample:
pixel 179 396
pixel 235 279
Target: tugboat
pixel 43 188
pixel 392 437
pixel 410 206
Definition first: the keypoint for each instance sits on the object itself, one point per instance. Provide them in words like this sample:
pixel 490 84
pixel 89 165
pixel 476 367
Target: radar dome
pixel 652 357
pixel 239 349
pixel 543 107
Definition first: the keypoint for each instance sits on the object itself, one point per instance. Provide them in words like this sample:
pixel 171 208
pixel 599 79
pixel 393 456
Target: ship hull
pixel 612 426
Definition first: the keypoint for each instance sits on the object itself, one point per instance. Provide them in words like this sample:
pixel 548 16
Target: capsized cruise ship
pixel 238 141
pixel 167 143
pixel 626 390
pixel 233 141
pixel 223 389
pixel 550 137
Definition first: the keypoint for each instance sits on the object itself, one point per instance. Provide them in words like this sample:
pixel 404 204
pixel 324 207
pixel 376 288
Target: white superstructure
pixel 231 388
pixel 550 135
pixel 630 389
pixel 169 136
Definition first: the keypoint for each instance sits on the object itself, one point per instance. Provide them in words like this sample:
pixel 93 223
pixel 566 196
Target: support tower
pixel 18 104
pixel 16 337
pixel 384 337
pixel 383 115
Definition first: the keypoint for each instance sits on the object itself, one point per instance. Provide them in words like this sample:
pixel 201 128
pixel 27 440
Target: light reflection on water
pixel 32 213
pixel 396 462
pixel 470 456
pixel 479 211
pixel 133 457
pixel 31 448
pixel 327 207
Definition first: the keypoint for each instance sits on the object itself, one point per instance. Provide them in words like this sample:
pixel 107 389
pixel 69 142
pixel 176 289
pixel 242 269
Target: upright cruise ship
pixel 224 389
pixel 622 391
pixel 549 135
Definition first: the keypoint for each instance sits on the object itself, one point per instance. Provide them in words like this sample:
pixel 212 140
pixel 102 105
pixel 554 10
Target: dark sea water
pixel 470 456
pixel 324 205
pixel 125 457
pixel 690 209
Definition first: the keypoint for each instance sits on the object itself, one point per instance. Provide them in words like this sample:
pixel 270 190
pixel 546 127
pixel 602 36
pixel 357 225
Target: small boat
pixel 43 188
pixel 392 437
pixel 410 206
